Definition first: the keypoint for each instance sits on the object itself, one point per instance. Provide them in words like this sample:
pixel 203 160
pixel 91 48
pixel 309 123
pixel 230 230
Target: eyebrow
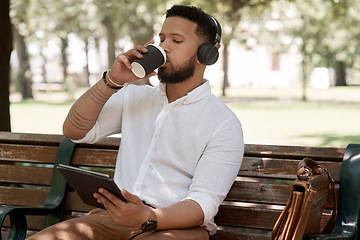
pixel 172 34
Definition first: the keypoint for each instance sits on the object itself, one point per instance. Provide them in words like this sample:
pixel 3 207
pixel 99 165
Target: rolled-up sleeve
pixel 109 120
pixel 217 168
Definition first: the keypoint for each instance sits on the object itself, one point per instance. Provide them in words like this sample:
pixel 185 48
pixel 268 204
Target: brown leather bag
pixel 302 214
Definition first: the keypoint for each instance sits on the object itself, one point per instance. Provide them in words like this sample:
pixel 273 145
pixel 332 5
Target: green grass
pixel 38 117
pixel 331 118
pixel 299 123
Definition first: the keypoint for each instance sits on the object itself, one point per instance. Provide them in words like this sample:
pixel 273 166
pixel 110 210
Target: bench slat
pixel 27 153
pixel 279 168
pixel 30 138
pixel 17 196
pixel 259 192
pixel 268 193
pixel 34 223
pixel 74 203
pixel 239 233
pixel 94 157
pixel 295 152
pixel 52 140
pixel 261 216
pixel 25 175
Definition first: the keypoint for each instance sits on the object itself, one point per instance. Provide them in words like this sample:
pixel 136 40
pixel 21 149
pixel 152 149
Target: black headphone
pixel 208 53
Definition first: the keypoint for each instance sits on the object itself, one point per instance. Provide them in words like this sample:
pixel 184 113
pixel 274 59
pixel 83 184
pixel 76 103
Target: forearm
pixel 184 214
pixel 85 111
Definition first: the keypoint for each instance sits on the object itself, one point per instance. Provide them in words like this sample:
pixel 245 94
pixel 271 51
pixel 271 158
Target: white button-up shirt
pixel 191 148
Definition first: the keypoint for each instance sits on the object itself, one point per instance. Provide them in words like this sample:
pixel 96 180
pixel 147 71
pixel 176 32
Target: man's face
pixel 180 43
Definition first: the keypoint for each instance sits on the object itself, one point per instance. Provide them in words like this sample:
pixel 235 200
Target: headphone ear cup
pixel 207 54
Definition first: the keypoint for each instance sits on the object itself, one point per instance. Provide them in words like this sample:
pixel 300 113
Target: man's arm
pixel 134 213
pixel 184 214
pixel 85 111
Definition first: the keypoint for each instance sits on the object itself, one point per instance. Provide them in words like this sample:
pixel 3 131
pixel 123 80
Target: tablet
pixel 86 183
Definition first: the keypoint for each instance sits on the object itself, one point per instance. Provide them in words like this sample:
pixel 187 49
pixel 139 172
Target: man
pixel 181 148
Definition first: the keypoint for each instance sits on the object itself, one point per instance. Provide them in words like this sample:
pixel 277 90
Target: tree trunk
pixel 340 71
pixel 226 68
pixel 43 67
pixel 24 74
pixel 108 22
pixel 304 65
pixel 87 70
pixel 64 57
pixel 5 49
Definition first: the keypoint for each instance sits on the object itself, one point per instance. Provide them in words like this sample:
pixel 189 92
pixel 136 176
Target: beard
pixel 180 73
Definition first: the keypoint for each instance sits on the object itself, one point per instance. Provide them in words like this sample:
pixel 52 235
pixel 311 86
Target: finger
pixel 130 197
pixel 149 42
pixel 140 49
pixel 125 60
pixel 128 57
pixel 152 74
pixel 132 53
pixel 111 197
pixel 103 200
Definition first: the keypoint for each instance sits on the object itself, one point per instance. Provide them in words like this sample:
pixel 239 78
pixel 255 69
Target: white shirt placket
pixel 147 159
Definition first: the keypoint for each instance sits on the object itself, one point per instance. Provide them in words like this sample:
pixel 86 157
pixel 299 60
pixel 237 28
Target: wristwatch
pixel 149 226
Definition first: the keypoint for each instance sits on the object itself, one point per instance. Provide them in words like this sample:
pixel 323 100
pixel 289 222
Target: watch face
pixel 149 226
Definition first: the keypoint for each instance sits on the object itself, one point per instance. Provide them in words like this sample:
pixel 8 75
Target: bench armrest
pixel 53 206
pixel 347 222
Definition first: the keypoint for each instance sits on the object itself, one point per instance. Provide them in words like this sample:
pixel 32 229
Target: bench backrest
pixel 254 202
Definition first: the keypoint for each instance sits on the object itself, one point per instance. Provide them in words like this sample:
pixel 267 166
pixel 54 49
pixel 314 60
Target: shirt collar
pixel 195 95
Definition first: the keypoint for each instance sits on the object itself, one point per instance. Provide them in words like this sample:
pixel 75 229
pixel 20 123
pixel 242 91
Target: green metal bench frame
pixel 346 226
pixel 54 204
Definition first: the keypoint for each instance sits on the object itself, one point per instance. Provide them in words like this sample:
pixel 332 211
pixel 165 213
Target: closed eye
pixel 175 37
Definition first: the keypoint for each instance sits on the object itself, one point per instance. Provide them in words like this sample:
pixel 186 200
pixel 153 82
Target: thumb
pixel 130 197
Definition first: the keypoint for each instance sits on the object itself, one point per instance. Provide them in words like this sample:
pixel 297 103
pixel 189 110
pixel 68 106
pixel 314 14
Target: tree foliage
pixel 325 32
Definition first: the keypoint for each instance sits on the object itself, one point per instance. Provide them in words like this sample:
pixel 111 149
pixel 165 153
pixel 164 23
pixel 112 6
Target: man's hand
pixel 134 213
pixel 121 69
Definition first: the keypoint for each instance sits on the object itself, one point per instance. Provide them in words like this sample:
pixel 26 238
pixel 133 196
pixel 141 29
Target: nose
pixel 165 46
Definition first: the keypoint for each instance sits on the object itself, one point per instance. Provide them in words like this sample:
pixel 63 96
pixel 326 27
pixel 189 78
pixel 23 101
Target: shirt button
pixel 137 188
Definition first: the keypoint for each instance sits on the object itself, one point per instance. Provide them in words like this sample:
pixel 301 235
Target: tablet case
pixel 86 183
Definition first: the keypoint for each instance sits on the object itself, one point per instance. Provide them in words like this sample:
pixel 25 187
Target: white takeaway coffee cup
pixel 154 58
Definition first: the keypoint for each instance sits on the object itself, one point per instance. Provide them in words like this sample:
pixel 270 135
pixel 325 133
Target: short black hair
pixel 206 27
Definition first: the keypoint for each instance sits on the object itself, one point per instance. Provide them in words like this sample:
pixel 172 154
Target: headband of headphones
pixel 218 31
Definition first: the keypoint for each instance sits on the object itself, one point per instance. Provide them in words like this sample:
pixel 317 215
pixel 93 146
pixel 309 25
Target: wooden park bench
pixel 47 87
pixel 258 195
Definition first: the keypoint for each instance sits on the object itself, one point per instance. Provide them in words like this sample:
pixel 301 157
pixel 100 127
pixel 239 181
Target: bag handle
pixel 306 168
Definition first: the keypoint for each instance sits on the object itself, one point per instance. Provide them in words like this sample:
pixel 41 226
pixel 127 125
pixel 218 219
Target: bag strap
pixel 280 221
pixel 331 223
